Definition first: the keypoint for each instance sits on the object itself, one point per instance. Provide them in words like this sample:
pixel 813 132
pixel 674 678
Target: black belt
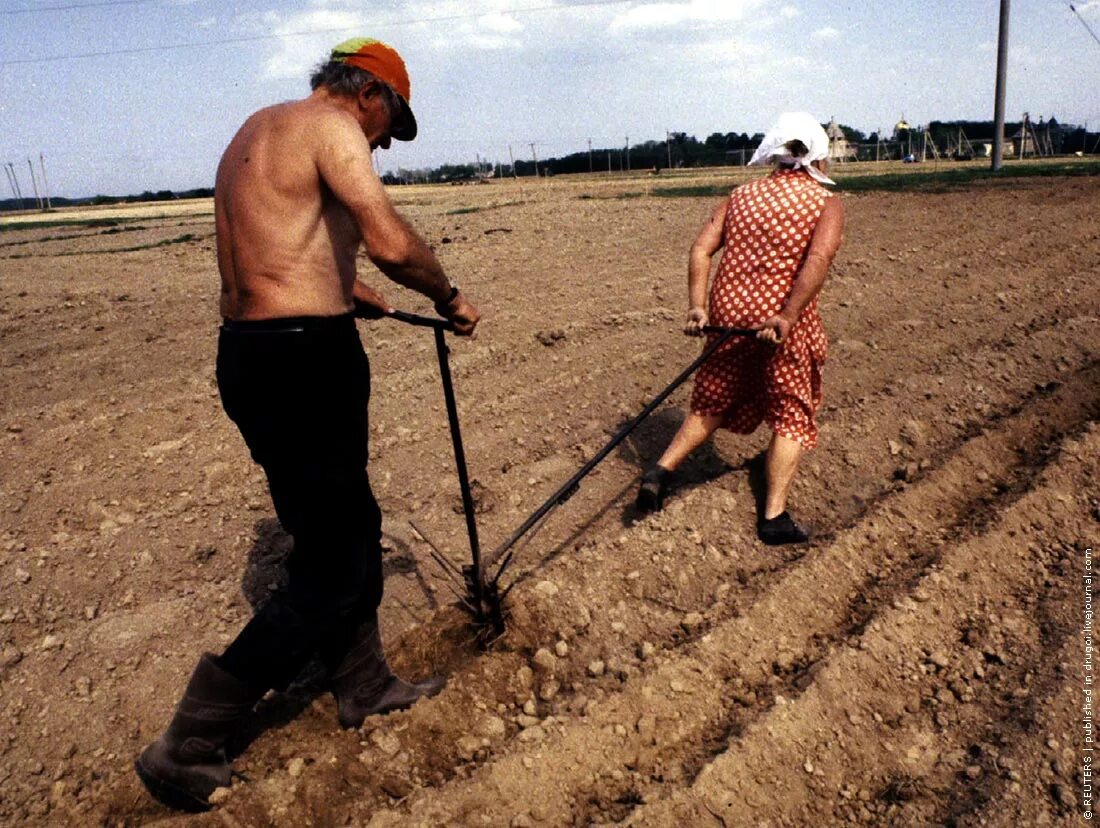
pixel 289 324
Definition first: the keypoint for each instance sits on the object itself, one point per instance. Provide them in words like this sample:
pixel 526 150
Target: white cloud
pixel 305 36
pixel 499 23
pixel 491 32
pixel 789 12
pixel 827 33
pixel 489 42
pixel 662 15
pixel 296 53
pixel 753 60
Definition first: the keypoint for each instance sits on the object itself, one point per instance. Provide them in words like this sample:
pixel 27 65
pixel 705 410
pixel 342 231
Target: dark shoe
pixel 781 530
pixel 184 766
pixel 364 686
pixel 651 494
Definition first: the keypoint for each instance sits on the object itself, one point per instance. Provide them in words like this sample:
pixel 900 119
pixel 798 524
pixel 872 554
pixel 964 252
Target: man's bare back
pixel 286 247
pixel 296 193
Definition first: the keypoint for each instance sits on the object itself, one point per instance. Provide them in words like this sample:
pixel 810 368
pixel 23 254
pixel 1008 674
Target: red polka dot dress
pixel 769 224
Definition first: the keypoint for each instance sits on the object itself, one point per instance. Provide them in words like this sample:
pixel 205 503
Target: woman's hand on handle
pixel 774 330
pixel 695 322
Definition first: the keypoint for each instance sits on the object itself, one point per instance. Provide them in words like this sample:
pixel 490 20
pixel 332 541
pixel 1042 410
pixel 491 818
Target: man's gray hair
pixel 339 77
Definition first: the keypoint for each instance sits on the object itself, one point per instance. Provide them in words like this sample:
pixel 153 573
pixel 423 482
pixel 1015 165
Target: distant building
pixel 903 136
pixel 839 147
pixel 1022 143
pixel 1052 135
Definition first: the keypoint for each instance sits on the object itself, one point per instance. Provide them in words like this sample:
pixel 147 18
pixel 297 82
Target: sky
pixel 122 96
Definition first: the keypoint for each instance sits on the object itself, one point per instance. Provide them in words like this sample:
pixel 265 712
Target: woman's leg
pixel 694 431
pixel 780 466
pixel 775 526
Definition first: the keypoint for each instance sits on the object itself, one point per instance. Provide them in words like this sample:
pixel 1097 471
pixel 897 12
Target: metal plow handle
pixel 502 552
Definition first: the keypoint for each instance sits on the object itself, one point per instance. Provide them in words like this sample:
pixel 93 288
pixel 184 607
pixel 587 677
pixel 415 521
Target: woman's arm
pixel 707 243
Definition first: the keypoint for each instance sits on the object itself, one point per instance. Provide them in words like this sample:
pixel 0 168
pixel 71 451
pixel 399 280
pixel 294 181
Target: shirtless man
pixel 296 195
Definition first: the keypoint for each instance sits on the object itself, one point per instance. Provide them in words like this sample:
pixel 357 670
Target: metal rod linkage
pixel 568 488
pixel 484 594
pixel 477 582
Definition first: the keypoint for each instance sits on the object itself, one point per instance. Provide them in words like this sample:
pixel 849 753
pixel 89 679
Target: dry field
pixel 919 663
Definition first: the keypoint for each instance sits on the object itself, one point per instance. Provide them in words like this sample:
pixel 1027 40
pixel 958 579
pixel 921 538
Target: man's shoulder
pixel 305 119
pixel 319 115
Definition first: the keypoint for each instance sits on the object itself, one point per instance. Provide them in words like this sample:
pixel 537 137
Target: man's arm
pixel 369 303
pixel 828 236
pixel 344 162
pixel 707 243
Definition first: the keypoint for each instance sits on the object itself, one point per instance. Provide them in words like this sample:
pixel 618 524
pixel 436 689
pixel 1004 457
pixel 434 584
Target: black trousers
pixel 298 391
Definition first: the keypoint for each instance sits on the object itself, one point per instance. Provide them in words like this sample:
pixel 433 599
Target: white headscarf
pixel 792 126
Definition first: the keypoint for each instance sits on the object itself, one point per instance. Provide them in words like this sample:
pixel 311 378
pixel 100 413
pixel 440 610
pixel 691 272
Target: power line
pixel 254 38
pixel 1083 22
pixel 75 6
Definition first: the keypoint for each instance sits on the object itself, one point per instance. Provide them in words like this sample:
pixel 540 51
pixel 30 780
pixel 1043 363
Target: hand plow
pixel 482 594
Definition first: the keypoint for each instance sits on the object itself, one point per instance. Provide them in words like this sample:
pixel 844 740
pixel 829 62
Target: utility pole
pixel 512 159
pixel 1036 143
pixel 1023 136
pixel 668 148
pixel 999 95
pixel 11 182
pixel 15 184
pixel 45 184
pixel 532 145
pixel 628 153
pixel 590 155
pixel 34 183
pixel 609 162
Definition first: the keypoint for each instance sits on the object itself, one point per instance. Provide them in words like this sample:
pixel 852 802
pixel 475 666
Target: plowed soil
pixel 920 662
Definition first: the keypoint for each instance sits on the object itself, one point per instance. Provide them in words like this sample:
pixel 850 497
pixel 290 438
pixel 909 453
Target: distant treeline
pixel 29 203
pixel 718 149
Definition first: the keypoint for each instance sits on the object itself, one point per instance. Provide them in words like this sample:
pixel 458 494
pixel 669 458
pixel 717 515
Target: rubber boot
pixel 364 685
pixel 651 494
pixel 184 766
pixel 781 530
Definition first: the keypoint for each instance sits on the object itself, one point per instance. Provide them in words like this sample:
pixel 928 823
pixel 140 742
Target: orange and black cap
pixel 382 61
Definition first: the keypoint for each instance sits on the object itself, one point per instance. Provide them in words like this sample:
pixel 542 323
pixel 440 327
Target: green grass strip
pixel 917 181
pixel 462 211
pixel 186 237
pixel 947 180
pixel 93 222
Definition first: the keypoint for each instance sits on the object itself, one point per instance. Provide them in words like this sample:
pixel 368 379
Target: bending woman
pixel 779 234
